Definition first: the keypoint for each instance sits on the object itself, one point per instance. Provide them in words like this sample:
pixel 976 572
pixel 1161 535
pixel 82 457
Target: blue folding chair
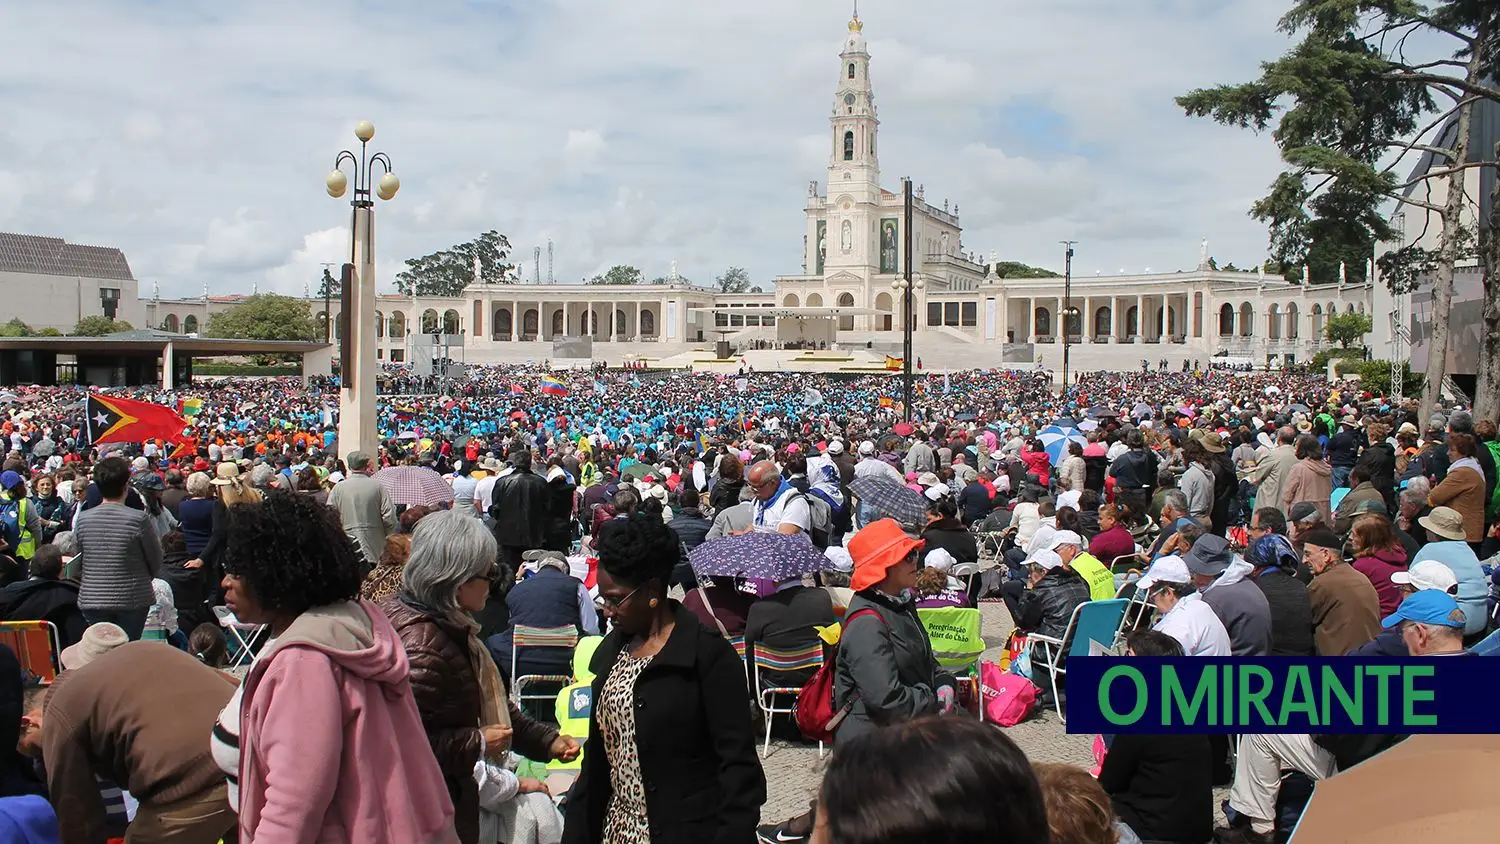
pixel 1091 622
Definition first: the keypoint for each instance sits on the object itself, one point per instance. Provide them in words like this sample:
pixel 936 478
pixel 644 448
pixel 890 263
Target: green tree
pixel 1346 329
pixel 266 316
pixel 734 280
pixel 49 331
pixel 1348 94
pixel 16 328
pixel 619 274
pixel 1016 269
pixel 330 287
pixel 449 271
pixel 98 326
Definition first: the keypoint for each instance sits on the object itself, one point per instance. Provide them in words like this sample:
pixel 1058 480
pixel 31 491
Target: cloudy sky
pixel 196 135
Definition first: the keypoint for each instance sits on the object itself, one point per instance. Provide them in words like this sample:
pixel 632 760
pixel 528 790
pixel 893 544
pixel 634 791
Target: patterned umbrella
pixel 1055 441
pixel 415 485
pixel 889 498
pixel 758 555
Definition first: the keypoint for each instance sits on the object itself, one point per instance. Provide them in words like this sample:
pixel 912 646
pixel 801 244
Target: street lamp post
pixel 1068 311
pixel 357 396
pixel 905 285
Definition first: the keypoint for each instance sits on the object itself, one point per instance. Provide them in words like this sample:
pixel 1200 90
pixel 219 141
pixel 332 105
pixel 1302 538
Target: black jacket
pixel 1291 612
pixel 559 529
pixel 1135 469
pixel 518 505
pixel 1046 607
pixel 974 503
pixel 725 494
pixel 690 527
pixel 1162 786
pixel 45 600
pixel 1379 462
pixel 703 780
pixel 954 538
pixel 1343 449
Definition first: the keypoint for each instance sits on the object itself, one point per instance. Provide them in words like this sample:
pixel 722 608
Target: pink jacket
pixel 331 746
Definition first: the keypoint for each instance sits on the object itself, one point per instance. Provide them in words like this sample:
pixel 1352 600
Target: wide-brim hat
pixel 1213 443
pixel 875 548
pixel 1445 522
pixel 226 474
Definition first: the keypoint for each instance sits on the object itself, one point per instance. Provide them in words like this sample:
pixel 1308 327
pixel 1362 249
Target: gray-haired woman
pixel 456 684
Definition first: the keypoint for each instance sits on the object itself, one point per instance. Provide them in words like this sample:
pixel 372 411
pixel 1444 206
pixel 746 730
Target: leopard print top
pixel 625 822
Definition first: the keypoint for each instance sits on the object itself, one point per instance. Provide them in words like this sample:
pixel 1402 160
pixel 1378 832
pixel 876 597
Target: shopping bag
pixel 1008 699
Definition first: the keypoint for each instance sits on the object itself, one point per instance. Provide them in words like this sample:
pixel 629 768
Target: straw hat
pixel 226 474
pixel 877 547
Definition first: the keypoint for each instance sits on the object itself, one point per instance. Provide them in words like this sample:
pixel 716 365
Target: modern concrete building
pixel 48 283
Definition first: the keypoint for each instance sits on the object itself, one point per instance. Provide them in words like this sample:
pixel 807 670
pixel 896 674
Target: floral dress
pixel 625 822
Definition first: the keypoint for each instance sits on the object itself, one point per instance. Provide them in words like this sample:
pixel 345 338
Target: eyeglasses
pixel 492 575
pixel 614 604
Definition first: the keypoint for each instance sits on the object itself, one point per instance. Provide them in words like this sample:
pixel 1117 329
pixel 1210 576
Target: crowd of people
pixel 1255 515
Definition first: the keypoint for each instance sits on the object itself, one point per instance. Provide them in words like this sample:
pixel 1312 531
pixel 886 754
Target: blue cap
pixel 8 480
pixel 1428 606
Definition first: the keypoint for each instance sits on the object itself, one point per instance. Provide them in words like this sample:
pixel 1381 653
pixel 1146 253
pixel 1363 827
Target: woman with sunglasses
pixel 465 711
pixel 324 729
pixel 671 751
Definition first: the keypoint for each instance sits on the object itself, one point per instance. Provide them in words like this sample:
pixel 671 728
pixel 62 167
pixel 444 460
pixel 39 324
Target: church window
pixel 849 146
pixel 934 313
pixel 851 70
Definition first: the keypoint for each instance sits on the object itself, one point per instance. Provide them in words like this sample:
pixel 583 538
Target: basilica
pixel 848 294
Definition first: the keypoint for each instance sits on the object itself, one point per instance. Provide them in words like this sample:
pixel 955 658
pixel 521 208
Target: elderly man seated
pixel 1431 624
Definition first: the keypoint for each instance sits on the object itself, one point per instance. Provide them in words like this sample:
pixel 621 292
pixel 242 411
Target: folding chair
pixel 738 643
pixel 967 572
pixel 36 646
pixel 771 659
pixel 956 642
pixel 242 637
pixel 525 636
pixel 1091 622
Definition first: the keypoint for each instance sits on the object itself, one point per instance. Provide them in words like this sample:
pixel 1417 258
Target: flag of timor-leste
pixel 119 420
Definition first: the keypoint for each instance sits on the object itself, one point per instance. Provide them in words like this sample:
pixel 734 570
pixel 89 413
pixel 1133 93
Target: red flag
pixel 187 448
pixel 117 420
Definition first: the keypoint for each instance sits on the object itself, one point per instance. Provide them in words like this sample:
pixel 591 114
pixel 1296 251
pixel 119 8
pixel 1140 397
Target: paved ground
pixel 793 770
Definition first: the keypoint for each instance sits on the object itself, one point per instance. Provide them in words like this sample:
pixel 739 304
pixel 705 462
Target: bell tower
pixel 853 166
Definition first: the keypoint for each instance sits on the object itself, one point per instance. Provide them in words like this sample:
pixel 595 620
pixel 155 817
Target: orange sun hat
pixel 877 547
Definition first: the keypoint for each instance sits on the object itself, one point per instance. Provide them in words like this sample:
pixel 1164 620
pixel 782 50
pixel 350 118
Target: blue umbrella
pixel 758 555
pixel 1055 441
pixel 889 498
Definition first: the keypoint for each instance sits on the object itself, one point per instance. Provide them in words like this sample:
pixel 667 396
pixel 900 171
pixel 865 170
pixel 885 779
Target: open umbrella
pixel 1142 410
pixel 1055 441
pixel 415 485
pixel 889 498
pixel 1088 425
pixel 407 435
pixel 903 429
pixel 1299 408
pixel 1445 779
pixel 1064 422
pixel 965 417
pixel 758 555
pixel 1102 412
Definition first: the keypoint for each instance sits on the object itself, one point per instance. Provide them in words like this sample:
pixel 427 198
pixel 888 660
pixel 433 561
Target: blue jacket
pixel 548 598
pixel 28 820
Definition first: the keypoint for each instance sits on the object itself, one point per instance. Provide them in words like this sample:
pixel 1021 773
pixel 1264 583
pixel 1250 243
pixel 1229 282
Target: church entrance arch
pixel 884 318
pixel 846 300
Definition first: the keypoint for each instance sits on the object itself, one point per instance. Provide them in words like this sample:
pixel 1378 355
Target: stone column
pixel 1030 319
pixel 1140 318
pixel 357 397
pixel 168 362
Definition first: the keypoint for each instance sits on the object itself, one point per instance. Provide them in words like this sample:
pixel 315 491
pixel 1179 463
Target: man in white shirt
pixel 778 506
pixel 1184 616
pixel 486 485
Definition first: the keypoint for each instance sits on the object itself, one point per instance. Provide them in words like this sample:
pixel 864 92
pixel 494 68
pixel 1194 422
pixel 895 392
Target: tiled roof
pixel 26 253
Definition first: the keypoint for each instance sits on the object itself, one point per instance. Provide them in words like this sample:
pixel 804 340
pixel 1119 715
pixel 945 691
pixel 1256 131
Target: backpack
pixel 820 520
pixel 815 713
pixel 11 523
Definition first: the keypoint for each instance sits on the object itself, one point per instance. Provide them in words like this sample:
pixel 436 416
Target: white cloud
pixel 641 132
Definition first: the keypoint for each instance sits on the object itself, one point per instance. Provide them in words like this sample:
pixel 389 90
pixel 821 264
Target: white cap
pixel 1045 558
pixel 1168 569
pixel 940 559
pixel 839 559
pixel 867 448
pixel 835 447
pixel 936 493
pixel 1064 537
pixel 1427 574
